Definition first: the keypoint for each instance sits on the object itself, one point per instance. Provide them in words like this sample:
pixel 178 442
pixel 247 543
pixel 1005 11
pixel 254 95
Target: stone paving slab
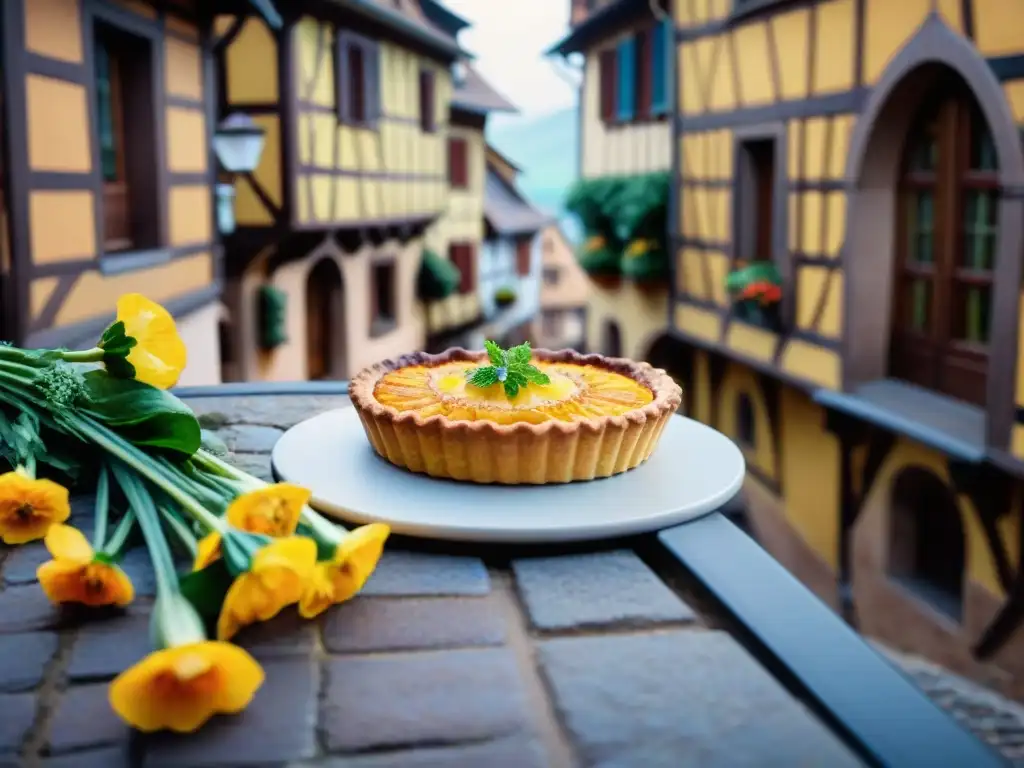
pixel 443 662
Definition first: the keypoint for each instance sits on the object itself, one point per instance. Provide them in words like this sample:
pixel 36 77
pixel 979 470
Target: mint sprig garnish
pixel 509 367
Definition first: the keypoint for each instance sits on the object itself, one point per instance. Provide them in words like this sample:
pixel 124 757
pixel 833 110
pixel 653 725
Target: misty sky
pixel 508 40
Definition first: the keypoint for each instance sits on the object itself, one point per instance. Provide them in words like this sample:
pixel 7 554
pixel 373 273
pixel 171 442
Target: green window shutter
pixel 273 326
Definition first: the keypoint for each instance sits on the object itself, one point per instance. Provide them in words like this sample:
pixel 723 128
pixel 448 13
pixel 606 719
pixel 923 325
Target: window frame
pixel 776 134
pixel 463 255
pixel 131 209
pixel 345 43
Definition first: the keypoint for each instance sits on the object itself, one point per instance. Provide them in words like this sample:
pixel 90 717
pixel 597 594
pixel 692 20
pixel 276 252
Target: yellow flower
pixel 28 507
pixel 159 355
pixel 273 510
pixel 182 687
pixel 637 248
pixel 77 575
pixel 276 577
pixel 338 579
pixel 594 243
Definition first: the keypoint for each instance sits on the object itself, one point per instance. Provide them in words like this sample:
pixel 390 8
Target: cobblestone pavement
pixel 445 661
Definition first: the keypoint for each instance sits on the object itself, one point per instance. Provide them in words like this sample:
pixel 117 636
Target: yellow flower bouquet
pixel 254 548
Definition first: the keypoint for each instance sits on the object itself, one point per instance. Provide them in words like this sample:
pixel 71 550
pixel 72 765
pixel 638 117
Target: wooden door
pixel 324 327
pixel 945 247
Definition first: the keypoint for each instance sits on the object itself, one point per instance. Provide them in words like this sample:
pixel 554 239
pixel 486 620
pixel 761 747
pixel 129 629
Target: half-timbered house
pixel 625 144
pixel 107 171
pixel 564 291
pixel 353 97
pixel 848 222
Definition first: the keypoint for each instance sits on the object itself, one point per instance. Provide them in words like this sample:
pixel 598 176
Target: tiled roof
pixel 475 94
pixel 406 16
pixel 506 210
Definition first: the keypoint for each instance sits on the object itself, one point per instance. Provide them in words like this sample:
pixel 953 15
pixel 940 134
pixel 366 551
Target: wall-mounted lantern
pixel 238 144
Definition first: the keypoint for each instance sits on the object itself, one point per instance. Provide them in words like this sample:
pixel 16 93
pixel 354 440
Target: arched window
pixel 945 248
pixel 926 542
pixel 324 322
pixel 746 431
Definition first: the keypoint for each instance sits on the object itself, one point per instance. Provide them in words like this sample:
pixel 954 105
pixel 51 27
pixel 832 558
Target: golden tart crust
pixel 599 417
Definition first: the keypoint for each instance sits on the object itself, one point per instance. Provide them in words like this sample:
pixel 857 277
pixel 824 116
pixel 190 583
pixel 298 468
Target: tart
pixel 580 417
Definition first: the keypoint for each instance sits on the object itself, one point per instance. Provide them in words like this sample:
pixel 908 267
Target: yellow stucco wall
pixel 640 313
pixel 461 222
pixel 395 171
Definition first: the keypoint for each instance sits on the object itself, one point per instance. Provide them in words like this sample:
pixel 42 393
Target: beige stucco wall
pixel 199 332
pixel 619 149
pixel 573 287
pixel 641 312
pixel 288 362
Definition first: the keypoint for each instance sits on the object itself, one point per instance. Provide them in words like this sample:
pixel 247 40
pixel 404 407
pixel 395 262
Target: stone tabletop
pixel 446 660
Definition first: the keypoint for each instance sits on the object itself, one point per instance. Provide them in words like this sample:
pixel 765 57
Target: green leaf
pixel 511 387
pixel 206 590
pixel 145 415
pixel 116 345
pixel 495 353
pixel 520 355
pixel 535 375
pixel 211 443
pixel 484 377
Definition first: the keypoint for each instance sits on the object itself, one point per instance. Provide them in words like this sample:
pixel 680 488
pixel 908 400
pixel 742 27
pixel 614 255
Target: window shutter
pixel 341 78
pixel 645 69
pixel 371 86
pixel 427 117
pixel 627 79
pixel 662 66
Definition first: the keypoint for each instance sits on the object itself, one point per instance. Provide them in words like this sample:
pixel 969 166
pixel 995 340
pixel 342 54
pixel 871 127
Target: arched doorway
pixel 945 245
pixel 611 339
pixel 927 552
pixel 325 322
pixel 935 55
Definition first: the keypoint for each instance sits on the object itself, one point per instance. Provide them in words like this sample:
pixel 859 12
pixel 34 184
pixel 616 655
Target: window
pixel 756 187
pixel 945 248
pixel 357 80
pixel 552 324
pixel 458 163
pixel 126 126
pixel 746 433
pixel 662 65
pixel 644 50
pixel 463 256
pixel 428 120
pixel 551 275
pixel 607 64
pixel 926 540
pixel 382 298
pixel 523 256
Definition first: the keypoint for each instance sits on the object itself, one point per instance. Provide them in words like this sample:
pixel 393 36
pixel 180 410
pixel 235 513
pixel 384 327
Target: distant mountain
pixel 547 151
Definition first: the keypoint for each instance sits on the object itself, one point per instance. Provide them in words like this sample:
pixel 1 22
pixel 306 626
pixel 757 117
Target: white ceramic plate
pixel 694 471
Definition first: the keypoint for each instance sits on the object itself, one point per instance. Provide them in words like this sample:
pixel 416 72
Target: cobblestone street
pixel 444 661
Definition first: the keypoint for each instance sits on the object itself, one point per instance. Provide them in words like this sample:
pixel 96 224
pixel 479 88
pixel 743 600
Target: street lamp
pixel 238 144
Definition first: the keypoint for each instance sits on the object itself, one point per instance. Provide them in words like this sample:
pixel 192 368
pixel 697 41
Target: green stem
pixel 140 462
pixel 180 530
pixel 159 551
pixel 102 515
pixel 30 465
pixel 94 355
pixel 187 478
pixel 115 547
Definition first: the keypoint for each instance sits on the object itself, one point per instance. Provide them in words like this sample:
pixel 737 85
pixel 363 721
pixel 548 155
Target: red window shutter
pixel 523 257
pixel 427 118
pixel 644 70
pixel 458 172
pixel 608 73
pixel 469 275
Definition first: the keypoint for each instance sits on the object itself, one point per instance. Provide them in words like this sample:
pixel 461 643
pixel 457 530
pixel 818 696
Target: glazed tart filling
pixel 574 393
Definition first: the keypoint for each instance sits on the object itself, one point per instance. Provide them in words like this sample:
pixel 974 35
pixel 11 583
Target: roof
pixel 408 21
pixel 442 17
pixel 474 94
pixel 600 25
pixel 506 211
